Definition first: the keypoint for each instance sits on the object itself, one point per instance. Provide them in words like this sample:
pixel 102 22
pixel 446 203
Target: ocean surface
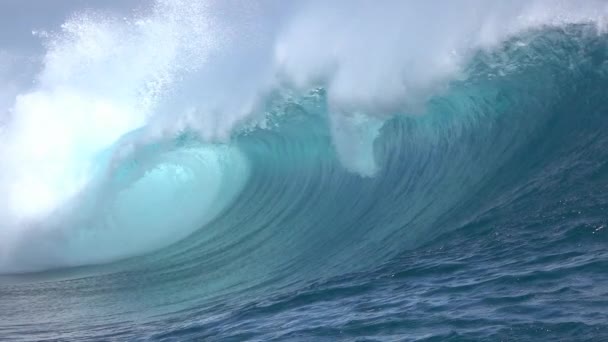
pixel 148 197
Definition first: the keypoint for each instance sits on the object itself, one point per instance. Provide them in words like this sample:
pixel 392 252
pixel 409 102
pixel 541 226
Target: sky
pixel 18 18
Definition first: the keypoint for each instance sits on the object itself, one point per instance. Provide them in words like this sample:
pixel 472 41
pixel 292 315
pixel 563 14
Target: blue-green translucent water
pixel 486 219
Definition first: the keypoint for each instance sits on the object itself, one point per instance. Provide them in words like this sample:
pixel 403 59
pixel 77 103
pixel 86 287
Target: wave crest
pixel 111 90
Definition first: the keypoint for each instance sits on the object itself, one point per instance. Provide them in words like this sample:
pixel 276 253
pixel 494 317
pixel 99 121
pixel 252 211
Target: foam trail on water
pixel 112 87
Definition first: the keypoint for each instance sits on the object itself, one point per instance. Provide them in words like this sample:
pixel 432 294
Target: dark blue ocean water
pixel 487 220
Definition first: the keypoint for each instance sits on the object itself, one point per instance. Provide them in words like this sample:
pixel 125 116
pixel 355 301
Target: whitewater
pixel 263 170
